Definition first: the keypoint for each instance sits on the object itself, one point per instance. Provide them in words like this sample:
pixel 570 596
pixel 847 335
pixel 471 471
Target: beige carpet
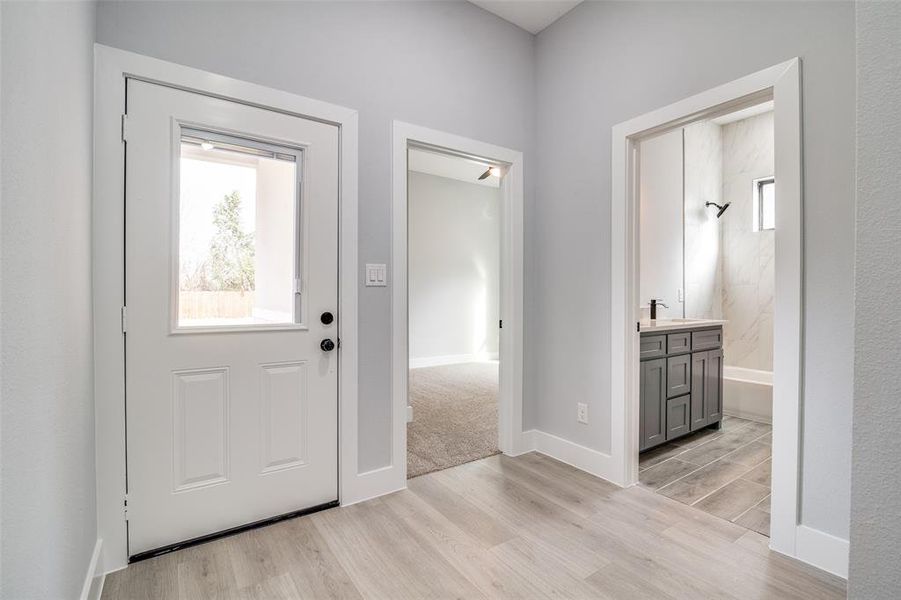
pixel 454 416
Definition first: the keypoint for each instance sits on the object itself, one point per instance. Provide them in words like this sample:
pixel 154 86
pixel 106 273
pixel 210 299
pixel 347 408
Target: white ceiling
pixel 531 15
pixel 454 167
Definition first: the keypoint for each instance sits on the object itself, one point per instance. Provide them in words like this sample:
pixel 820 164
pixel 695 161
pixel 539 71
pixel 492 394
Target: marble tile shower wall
pixel 703 182
pixel 747 257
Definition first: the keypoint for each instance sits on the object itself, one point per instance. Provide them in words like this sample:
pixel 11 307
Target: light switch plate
pixel 376 275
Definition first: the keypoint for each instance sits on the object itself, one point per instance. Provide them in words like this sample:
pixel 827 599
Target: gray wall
pixel 454 280
pixel 49 511
pixel 446 65
pixel 604 63
pixel 876 486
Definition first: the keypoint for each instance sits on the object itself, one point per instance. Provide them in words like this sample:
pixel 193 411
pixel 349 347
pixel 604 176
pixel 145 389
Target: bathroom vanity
pixel 681 381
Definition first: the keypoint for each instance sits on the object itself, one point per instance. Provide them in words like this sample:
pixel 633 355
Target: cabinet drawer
pixel 652 346
pixel 678 420
pixel 678 342
pixel 678 375
pixel 706 339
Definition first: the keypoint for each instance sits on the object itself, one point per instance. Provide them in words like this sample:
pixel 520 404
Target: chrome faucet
pixel 655 302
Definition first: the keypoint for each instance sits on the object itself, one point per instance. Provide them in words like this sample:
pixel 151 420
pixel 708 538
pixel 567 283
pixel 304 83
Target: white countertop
pixel 677 324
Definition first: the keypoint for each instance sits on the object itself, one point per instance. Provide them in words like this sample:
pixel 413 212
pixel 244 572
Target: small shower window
pixel 764 204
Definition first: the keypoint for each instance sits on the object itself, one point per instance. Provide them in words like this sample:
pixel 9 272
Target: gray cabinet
pixel 706 339
pixel 678 375
pixel 678 417
pixel 681 383
pixel 652 346
pixel 700 368
pixel 652 393
pixel 678 342
pixel 706 388
pixel 713 402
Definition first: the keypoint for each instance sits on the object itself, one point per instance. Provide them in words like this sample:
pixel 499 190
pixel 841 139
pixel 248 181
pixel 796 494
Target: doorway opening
pixel 454 326
pixel 457 300
pixel 782 84
pixel 707 257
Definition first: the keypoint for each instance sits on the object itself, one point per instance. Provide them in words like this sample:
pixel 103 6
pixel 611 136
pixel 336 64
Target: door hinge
pixel 125 506
pixel 500 324
pixel 124 128
pixel 123 315
pixel 638 326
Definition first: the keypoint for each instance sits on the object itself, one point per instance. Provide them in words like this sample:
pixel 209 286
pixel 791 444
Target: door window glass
pixel 237 232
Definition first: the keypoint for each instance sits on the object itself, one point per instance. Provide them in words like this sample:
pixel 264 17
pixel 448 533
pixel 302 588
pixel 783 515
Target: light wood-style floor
pixel 500 527
pixel 725 471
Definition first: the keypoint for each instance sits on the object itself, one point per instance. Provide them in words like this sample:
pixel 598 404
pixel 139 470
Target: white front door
pixel 231 241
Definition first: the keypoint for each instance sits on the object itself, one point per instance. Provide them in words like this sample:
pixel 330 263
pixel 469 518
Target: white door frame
pixel 111 67
pixel 782 83
pixel 511 288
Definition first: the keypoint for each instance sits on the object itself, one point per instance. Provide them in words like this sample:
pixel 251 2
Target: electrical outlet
pixel 582 415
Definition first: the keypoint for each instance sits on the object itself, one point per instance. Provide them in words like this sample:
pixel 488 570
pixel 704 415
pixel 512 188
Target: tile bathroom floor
pixel 724 472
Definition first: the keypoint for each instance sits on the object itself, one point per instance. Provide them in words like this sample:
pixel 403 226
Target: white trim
pixel 783 83
pixel 511 286
pixel 372 484
pixel 110 68
pixel 452 359
pixel 585 459
pixel 94 577
pixel 822 550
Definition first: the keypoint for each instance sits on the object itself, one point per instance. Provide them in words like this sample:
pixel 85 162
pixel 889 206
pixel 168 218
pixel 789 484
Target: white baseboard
pixel 822 550
pixel 521 444
pixel 585 459
pixel 451 359
pixel 375 483
pixel 94 577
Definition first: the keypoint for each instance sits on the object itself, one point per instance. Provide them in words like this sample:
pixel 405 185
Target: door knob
pixel 327 345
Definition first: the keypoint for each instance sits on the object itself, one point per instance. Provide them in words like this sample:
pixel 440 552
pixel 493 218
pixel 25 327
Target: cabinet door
pixel 678 419
pixel 700 366
pixel 713 392
pixel 652 409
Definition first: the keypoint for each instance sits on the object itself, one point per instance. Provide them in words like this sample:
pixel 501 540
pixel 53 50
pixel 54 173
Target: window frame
pixel 758 216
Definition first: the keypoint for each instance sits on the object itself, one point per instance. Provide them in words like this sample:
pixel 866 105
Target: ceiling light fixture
pixel 496 171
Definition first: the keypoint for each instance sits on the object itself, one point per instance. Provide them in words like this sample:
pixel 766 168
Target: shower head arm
pixel 721 210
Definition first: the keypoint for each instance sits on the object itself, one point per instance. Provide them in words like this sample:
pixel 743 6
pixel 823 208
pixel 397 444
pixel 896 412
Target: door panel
pixel 200 446
pixel 231 254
